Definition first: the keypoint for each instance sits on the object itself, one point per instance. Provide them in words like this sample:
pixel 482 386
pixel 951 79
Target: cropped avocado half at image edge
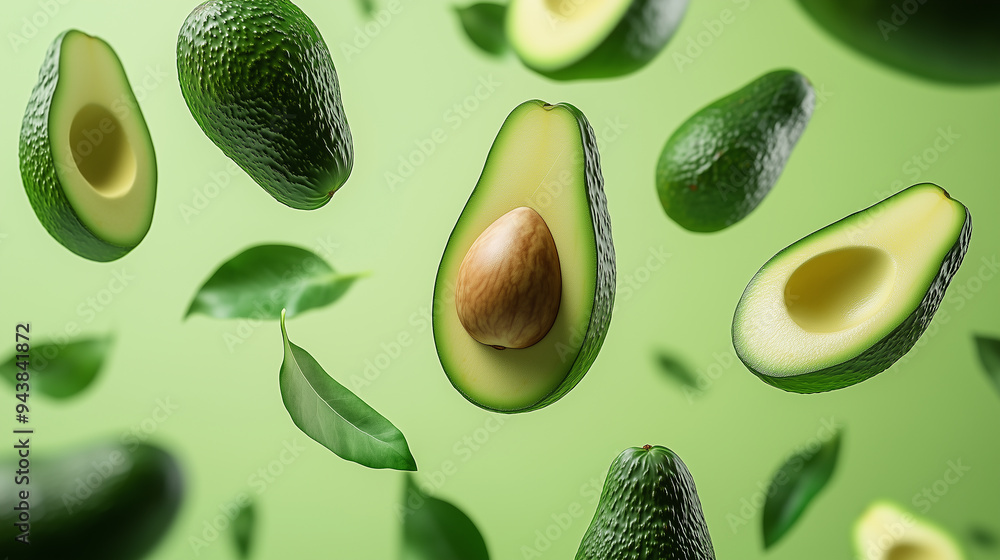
pixel 524 292
pixel 721 162
pixel 886 531
pixel 260 81
pixel 111 501
pixel 844 303
pixel 86 157
pixel 571 40
pixel 953 42
pixel 649 508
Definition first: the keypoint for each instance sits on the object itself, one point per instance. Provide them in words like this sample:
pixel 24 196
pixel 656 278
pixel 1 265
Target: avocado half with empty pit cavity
pixel 86 157
pixel 523 295
pixel 847 301
pixel 585 39
pixel 886 531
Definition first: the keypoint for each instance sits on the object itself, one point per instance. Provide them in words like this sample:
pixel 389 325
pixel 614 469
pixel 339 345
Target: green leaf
pixel 61 371
pixel 261 281
pixel 242 526
pixel 483 23
pixel 989 355
pixel 794 487
pixel 677 369
pixel 367 7
pixel 434 529
pixel 329 413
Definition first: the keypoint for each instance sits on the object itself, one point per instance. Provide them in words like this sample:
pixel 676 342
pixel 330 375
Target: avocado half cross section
pixel 591 39
pixel 86 157
pixel 523 295
pixel 886 531
pixel 844 303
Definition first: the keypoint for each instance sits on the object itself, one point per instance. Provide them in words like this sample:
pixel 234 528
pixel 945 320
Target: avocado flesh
pixel 258 78
pixel 544 158
pixel 847 301
pixel 649 508
pixel 718 166
pixel 887 532
pixel 86 157
pixel 953 42
pixel 110 501
pixel 590 39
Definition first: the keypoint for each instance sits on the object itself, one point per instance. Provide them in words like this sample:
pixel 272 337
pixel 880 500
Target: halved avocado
pixel 844 303
pixel 542 178
pixel 581 39
pixel 87 160
pixel 886 531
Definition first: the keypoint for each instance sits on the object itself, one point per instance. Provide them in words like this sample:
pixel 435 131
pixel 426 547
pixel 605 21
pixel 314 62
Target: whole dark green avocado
pixel 111 501
pixel 260 81
pixel 955 41
pixel 649 510
pixel 721 163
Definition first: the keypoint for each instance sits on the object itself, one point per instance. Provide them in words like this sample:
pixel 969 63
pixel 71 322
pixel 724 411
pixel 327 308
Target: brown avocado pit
pixel 509 283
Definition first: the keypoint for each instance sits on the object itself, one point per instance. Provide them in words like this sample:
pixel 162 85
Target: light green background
pixel 902 426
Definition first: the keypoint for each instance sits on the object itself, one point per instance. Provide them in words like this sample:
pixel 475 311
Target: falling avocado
pixel 110 501
pixel 845 302
pixel 258 78
pixel 87 160
pixel 525 288
pixel 590 39
pixel 649 508
pixel 721 162
pixel 885 531
pixel 952 42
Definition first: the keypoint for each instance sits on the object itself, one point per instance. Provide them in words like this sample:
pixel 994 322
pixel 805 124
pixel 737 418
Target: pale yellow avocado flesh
pixel 552 34
pixel 536 161
pixel 835 293
pixel 104 167
pixel 886 532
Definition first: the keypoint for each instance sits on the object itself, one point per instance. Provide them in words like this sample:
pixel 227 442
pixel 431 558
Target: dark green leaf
pixel 989 355
pixel 483 23
pixel 434 529
pixel 983 537
pixel 367 7
pixel 261 281
pixel 61 371
pixel 243 526
pixel 329 413
pixel 795 485
pixel 675 368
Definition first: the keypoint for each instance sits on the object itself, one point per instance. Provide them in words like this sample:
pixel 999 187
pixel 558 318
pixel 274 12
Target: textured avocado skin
pixel 649 510
pixel 39 166
pixel 718 166
pixel 954 41
pixel 130 507
pixel 604 287
pixel 644 30
pixel 260 81
pixel 890 348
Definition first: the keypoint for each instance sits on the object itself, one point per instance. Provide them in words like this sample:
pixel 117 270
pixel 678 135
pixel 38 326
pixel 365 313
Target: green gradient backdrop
pixel 902 426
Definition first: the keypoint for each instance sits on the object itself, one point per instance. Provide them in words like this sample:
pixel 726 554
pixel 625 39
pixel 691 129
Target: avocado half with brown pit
pixel 523 295
pixel 86 156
